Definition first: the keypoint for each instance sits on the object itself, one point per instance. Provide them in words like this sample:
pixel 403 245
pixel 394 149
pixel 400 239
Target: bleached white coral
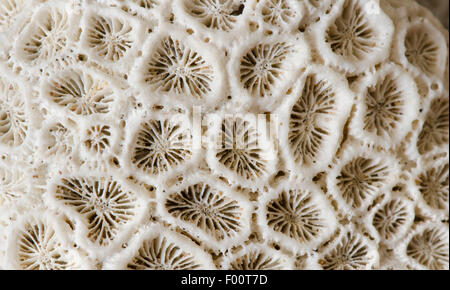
pixel 349 251
pixel 392 219
pixel 240 151
pixel 10 11
pixel 387 105
pixel 214 14
pixel 421 48
pixel 179 73
pixel 160 145
pixel 14 123
pixel 263 67
pixel 297 217
pixel 177 65
pixel 146 3
pixel 359 177
pixel 13 184
pixel 45 41
pixel 356 35
pixel 80 92
pixel 209 211
pixel 157 248
pixel 257 257
pixel 426 247
pixel 111 37
pixel 103 206
pixel 435 129
pixel 280 14
pixel 223 134
pixel 318 105
pixel 38 242
pixel 57 141
pixel 431 186
pixel 101 201
pixel 98 138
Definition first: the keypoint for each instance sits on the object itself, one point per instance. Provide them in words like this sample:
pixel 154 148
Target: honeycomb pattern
pixel 223 134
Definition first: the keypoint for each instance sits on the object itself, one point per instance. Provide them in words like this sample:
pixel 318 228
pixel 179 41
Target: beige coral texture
pixel 224 134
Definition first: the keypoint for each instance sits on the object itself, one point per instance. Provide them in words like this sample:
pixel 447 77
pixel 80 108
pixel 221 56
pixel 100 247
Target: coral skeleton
pixel 223 134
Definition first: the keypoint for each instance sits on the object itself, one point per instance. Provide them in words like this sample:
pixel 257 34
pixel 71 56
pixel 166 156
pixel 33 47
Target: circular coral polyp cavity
pixel 355 36
pixel 351 251
pixel 104 207
pixel 435 129
pixel 421 48
pixel 37 242
pixel 215 214
pixel 392 219
pixel 431 186
pixel 240 150
pixel 158 248
pixel 14 123
pixel 298 218
pixel 319 104
pixel 257 257
pixel 427 247
pixel 79 92
pixel 102 202
pixel 387 105
pixel 218 15
pixel 160 145
pixel 44 43
pixel 175 68
pixel 110 37
pixel 360 177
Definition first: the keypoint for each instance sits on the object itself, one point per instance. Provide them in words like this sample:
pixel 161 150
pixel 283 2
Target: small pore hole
pixel 82 57
pixel 114 162
pixel 253 26
pixel 238 11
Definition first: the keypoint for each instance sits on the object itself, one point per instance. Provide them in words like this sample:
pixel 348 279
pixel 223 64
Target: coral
pixel 215 14
pixel 176 68
pixel 256 257
pixel 102 202
pixel 223 134
pixel 160 146
pixel 109 37
pixel 207 209
pixel 79 92
pixel 262 67
pixel 351 252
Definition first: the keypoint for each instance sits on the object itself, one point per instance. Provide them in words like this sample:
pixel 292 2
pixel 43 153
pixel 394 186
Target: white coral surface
pixel 223 134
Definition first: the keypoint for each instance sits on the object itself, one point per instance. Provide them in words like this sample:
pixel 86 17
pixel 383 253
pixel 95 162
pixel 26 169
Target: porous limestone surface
pixel 223 134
